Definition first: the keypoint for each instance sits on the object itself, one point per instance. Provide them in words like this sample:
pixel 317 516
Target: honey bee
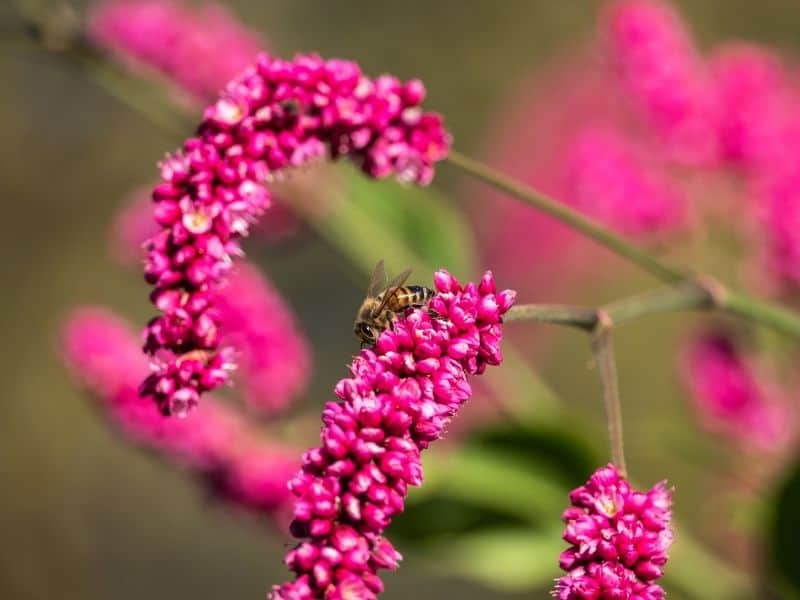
pixel 384 301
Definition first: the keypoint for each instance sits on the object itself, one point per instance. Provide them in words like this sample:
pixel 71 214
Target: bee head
pixel 366 333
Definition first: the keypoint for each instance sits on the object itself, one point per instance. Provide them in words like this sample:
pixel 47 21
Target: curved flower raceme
pixel 277 114
pixel 259 325
pixel 619 540
pixel 731 397
pixel 665 75
pixel 102 353
pixel 198 48
pixel 399 399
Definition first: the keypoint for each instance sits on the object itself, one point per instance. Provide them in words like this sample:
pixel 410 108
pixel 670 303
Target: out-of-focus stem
pixel 737 303
pixel 575 220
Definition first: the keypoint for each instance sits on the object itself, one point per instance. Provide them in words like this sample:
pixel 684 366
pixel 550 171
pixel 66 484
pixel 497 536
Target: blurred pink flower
pixel 706 137
pixel 664 75
pixel 567 134
pixel 399 400
pixel 780 212
pixel 619 540
pixel 609 179
pixel 102 353
pixel 132 227
pixel 197 47
pixel 755 103
pixel 732 397
pixel 273 355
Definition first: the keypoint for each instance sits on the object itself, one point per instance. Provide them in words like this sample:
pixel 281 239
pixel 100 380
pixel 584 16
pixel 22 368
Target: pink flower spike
pixel 276 115
pixel 390 409
pixel 197 48
pixel 102 353
pixel 731 396
pixel 618 538
pixel 273 355
pixel 665 76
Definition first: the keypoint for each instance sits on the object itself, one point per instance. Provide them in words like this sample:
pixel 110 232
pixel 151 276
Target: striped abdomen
pixel 409 295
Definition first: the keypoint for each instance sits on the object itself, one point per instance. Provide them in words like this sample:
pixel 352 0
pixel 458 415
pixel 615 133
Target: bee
pixel 384 301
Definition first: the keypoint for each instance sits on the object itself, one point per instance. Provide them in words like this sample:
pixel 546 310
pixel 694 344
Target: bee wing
pixel 391 289
pixel 377 281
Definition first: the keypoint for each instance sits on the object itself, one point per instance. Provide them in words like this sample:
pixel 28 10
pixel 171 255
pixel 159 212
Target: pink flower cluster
pixel 732 397
pixel 619 540
pixel 399 399
pixel 273 354
pixel 277 114
pixel 199 48
pixel 102 353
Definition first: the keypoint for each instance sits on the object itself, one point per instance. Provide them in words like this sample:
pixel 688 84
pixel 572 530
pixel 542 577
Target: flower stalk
pixel 603 351
pixel 737 303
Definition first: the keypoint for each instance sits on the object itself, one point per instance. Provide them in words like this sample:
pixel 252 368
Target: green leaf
pixel 419 217
pixel 408 226
pixel 505 559
pixel 476 475
pixel 556 452
pixel 784 540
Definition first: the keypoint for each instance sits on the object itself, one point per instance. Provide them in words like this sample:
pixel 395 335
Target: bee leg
pixel 390 317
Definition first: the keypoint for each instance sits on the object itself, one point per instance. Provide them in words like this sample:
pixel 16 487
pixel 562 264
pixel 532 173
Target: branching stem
pixel 759 311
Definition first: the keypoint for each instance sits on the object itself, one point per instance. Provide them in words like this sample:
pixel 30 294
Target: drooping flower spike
pixel 198 48
pixel 278 114
pixel 618 539
pixel 217 445
pixel 399 399
pixel 733 397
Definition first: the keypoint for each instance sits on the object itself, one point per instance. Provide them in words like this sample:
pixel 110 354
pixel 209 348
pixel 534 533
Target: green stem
pixel 603 351
pixel 600 322
pixel 737 303
pixel 559 211
pixel 683 296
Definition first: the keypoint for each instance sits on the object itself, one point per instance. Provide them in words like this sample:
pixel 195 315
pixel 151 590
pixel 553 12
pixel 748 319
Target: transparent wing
pixel 391 289
pixel 377 282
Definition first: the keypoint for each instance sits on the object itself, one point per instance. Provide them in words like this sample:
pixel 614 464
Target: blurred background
pixel 84 514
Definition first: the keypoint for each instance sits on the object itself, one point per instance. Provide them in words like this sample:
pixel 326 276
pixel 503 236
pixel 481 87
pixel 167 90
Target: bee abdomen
pixel 410 295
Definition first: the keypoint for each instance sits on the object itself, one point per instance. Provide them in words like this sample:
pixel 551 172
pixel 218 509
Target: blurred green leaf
pixel 418 218
pixel 475 474
pixel 408 226
pixel 557 453
pixel 784 535
pixel 506 559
